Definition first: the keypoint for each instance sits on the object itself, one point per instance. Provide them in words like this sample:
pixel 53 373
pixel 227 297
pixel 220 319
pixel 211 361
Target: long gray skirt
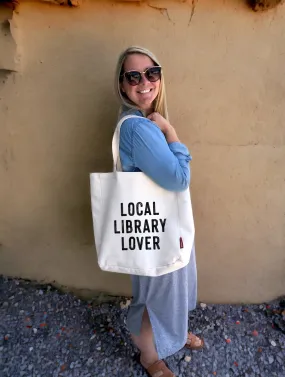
pixel 168 299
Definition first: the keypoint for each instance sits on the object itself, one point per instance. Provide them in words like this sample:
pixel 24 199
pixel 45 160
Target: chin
pixel 146 105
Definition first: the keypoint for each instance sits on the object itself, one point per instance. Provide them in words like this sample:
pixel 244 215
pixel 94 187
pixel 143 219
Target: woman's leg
pixel 145 342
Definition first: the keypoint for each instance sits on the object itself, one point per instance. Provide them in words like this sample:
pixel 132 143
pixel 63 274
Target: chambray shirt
pixel 143 147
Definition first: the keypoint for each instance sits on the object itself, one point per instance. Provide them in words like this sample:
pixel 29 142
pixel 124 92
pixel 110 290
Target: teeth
pixel 144 91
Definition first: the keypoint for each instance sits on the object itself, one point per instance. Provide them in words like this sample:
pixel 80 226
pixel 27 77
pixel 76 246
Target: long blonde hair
pixel 160 104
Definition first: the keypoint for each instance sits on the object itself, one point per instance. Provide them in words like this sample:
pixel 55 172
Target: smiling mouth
pixel 144 91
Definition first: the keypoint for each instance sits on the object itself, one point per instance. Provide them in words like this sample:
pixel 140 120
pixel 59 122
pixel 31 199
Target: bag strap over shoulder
pixel 116 143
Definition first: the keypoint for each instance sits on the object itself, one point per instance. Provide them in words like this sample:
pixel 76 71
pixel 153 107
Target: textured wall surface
pixel 224 68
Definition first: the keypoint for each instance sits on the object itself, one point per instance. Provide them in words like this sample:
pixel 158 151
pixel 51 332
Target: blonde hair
pixel 160 104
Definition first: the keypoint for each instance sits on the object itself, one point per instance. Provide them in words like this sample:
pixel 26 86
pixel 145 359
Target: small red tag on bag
pixel 181 243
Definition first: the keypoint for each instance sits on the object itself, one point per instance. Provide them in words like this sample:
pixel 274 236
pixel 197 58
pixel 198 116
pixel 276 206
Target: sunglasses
pixel 152 74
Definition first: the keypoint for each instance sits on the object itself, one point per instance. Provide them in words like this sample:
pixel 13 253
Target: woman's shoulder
pixel 137 124
pixel 127 112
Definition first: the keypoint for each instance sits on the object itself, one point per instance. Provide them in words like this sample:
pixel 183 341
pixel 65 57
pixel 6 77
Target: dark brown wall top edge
pixel 255 5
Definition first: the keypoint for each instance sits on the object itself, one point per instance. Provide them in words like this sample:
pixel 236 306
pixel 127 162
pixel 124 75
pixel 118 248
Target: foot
pixel 159 369
pixel 193 342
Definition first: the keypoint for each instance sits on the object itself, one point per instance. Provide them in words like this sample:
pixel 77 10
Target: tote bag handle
pixel 117 166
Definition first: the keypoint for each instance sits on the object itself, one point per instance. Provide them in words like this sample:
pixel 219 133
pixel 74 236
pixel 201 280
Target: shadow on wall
pixel 92 153
pixel 84 146
pixel 98 158
pixel 261 5
pixel 4 73
pixel 69 138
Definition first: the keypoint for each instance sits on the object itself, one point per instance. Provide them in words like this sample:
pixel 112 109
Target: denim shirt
pixel 143 147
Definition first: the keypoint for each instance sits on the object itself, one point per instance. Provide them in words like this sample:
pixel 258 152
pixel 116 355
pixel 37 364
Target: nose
pixel 144 79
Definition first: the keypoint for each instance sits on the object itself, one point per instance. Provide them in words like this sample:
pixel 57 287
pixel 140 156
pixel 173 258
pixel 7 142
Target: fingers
pixel 153 116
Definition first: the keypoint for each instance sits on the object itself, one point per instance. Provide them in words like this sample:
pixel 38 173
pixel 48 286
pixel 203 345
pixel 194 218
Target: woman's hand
pixel 161 122
pixel 165 126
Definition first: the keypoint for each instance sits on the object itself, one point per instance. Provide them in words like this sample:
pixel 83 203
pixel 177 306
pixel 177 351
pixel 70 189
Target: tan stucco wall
pixel 226 92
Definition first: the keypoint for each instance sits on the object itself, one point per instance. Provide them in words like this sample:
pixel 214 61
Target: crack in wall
pixel 163 11
pixel 193 6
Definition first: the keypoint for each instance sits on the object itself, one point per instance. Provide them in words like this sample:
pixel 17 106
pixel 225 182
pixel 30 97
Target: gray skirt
pixel 168 300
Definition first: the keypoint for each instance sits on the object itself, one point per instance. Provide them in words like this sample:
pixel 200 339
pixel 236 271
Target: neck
pixel 147 112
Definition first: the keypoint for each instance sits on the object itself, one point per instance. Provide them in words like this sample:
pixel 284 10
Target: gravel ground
pixel 45 333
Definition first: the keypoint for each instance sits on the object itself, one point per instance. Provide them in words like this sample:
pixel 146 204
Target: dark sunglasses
pixel 152 74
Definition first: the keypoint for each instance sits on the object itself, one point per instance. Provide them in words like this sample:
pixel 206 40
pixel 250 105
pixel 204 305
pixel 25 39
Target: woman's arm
pixel 161 157
pixel 166 128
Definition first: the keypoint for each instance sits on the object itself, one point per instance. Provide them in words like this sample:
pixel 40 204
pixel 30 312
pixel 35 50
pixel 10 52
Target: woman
pixel 158 315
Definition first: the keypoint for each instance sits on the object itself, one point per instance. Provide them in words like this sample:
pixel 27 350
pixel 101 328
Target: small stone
pixel 203 306
pixel 21 312
pixel 41 292
pixel 271 359
pixel 16 304
pixel 30 367
pixel 98 348
pixel 187 359
pixel 35 330
pixel 124 306
pixel 5 304
pixel 273 343
pixel 31 348
pixel 93 337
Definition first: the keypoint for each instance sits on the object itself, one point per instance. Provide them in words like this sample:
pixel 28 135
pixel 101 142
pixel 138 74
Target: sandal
pixel 195 343
pixel 159 369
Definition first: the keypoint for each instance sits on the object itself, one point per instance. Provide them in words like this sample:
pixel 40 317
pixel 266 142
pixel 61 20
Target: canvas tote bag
pixel 139 227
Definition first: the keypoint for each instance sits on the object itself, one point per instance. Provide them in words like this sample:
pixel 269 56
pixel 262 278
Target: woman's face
pixel 145 92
